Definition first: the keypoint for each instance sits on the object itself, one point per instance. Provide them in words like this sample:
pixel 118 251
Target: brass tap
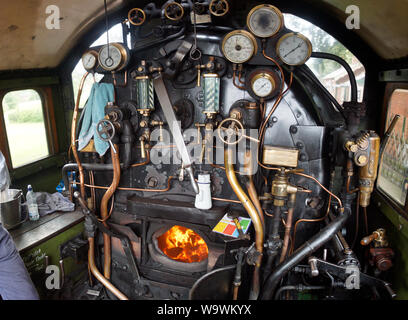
pixel 281 188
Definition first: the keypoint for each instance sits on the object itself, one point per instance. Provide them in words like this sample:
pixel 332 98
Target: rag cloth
pixel 48 203
pixel 94 111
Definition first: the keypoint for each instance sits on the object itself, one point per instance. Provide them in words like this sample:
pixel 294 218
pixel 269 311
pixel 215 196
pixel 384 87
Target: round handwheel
pixel 105 130
pixel 231 128
pixel 174 11
pixel 136 16
pixel 219 8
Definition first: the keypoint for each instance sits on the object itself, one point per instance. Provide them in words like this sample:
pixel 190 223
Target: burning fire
pixel 182 244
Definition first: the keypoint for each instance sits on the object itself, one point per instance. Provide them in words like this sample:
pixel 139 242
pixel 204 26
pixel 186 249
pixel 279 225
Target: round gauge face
pixel 110 57
pixel 89 60
pixel 262 85
pixel 294 49
pixel 265 20
pixel 239 46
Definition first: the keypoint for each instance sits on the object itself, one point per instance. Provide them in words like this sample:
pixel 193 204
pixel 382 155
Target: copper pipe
pixel 73 136
pixel 144 162
pixel 235 293
pixel 309 220
pixel 321 186
pixel 288 226
pixel 234 76
pixel 98 275
pixel 104 208
pixel 253 214
pixel 225 200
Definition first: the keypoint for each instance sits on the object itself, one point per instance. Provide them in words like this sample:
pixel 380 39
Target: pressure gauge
pixel 265 20
pixel 239 46
pixel 89 59
pixel 294 49
pixel 112 56
pixel 263 84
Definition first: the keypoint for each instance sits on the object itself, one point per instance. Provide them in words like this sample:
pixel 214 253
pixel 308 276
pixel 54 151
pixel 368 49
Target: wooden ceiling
pixel 26 43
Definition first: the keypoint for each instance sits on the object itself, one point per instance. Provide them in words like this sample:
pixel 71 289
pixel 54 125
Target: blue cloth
pixel 15 282
pixel 94 111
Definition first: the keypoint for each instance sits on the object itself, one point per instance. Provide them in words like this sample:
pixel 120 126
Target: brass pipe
pixel 73 136
pixel 253 214
pixel 94 270
pixel 104 209
pixel 288 226
pixel 254 198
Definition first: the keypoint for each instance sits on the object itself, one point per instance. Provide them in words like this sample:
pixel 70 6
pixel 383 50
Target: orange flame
pixel 182 244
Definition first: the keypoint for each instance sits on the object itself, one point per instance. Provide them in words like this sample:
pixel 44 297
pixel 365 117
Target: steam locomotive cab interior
pixel 214 150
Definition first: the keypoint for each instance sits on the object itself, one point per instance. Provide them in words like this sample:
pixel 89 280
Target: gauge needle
pixel 292 50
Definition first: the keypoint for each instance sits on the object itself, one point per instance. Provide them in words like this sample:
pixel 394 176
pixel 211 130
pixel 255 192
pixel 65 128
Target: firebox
pixel 173 244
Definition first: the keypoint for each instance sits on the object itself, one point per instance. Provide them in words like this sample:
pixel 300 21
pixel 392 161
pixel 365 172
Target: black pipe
pixel 302 252
pixel 86 166
pixel 127 139
pixel 308 73
pixel 345 65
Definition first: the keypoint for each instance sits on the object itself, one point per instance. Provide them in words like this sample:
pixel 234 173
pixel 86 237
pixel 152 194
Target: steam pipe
pixel 104 209
pixel 98 275
pixel 310 246
pixel 252 212
pixel 254 198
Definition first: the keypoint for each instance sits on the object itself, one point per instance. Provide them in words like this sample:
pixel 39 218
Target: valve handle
pixel 219 8
pixel 174 11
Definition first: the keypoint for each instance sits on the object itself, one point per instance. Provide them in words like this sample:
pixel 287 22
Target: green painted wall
pixel 383 215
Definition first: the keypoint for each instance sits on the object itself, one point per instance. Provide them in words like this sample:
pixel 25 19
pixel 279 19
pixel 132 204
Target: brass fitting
pixel 160 124
pixel 145 137
pixel 281 188
pixel 379 238
pixel 368 173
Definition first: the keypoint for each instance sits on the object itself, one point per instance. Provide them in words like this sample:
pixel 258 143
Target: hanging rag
pixel 94 111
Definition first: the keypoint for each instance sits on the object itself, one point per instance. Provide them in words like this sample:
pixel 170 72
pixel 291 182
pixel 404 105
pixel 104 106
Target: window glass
pixel 115 35
pixel 330 73
pixel 393 172
pixel 25 127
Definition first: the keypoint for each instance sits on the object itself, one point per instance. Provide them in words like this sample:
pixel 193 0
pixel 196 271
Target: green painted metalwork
pixel 34 258
pixel 397 231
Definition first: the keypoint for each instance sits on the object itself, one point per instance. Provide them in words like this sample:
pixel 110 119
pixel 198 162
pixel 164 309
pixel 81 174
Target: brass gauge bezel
pixel 301 36
pixel 265 75
pixel 267 6
pixel 95 54
pixel 171 18
pixel 245 34
pixel 136 10
pixel 123 54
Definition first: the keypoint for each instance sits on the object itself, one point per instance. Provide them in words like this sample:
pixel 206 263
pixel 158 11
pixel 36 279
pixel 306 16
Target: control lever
pixel 343 273
pixel 174 127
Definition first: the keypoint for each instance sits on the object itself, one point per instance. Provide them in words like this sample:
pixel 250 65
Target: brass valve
pixel 379 238
pixel 281 188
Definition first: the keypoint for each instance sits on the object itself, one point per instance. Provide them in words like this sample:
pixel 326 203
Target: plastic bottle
pixel 32 204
